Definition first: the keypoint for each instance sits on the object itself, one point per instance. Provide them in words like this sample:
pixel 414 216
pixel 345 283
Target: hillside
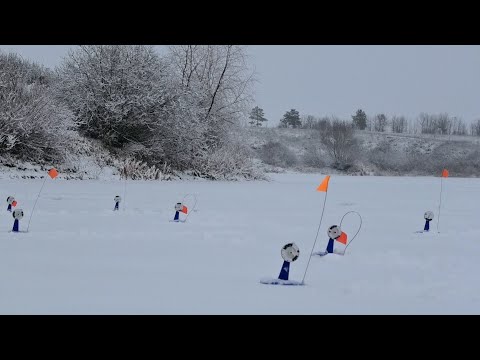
pixel 277 150
pixel 377 153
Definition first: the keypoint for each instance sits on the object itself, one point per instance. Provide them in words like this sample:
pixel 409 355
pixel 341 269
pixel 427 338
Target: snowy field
pixel 80 257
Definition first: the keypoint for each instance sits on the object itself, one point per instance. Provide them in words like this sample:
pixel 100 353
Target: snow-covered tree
pixel 219 74
pixel 458 127
pixel 176 109
pixel 380 122
pixel 399 124
pixel 33 125
pixel 475 128
pixel 435 124
pixel 118 93
pixel 340 143
pixel 218 80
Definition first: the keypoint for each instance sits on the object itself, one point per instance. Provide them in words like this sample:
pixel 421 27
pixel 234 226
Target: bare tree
pixel 380 122
pixel 399 124
pixel 458 127
pixel 370 123
pixel 221 76
pixel 340 143
pixel 443 124
pixel 435 124
pixel 312 122
pixel 218 81
pixel 414 126
pixel 308 121
pixel 475 128
pixel 427 123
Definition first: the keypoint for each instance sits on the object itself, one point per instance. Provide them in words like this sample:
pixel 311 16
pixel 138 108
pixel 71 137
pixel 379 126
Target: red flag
pixel 342 238
pixel 324 185
pixel 184 209
pixel 14 203
pixel 53 173
pixel 445 173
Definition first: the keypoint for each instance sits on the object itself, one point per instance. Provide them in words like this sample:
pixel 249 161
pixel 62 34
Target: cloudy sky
pixel 338 80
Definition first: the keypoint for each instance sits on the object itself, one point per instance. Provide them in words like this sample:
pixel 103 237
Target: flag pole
pixel 319 225
pixel 35 204
pixel 125 193
pixel 440 203
pixel 53 174
pixel 316 236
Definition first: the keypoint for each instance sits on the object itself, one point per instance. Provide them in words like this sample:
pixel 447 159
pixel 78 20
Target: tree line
pixel 441 124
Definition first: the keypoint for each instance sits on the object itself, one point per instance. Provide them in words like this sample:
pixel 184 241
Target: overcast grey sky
pixel 338 80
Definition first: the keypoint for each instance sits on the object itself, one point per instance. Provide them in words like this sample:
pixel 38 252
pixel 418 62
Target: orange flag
pixel 342 238
pixel 324 185
pixel 445 173
pixel 184 209
pixel 53 173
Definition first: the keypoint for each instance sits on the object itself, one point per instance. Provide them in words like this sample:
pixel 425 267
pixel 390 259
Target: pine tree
pixel 257 116
pixel 291 118
pixel 360 119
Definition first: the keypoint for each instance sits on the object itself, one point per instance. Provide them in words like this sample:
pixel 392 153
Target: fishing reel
pixel 17 214
pixel 428 215
pixel 334 232
pixel 178 207
pixel 290 252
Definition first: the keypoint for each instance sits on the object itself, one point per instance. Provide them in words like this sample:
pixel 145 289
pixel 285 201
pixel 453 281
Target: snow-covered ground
pixel 80 257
